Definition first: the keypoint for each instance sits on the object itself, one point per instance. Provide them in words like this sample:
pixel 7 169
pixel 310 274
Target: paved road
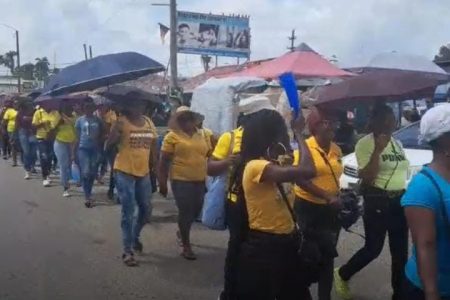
pixel 55 248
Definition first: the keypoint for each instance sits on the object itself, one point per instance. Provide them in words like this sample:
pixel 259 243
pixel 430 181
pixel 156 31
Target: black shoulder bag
pixel 441 199
pixel 310 257
pixel 350 211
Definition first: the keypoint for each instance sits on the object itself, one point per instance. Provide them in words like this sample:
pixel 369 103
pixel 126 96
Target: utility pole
pixel 173 45
pixel 19 83
pixel 90 51
pixel 85 52
pixel 292 38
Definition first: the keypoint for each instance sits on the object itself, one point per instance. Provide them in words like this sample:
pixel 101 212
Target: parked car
pixel 417 154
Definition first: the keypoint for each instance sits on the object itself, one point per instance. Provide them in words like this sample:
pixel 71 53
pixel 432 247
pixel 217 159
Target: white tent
pixel 217 100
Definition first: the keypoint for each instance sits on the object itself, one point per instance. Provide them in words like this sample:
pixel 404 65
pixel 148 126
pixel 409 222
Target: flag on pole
pixel 163 30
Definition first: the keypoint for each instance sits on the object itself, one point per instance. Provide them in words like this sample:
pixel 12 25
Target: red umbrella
pixel 303 62
pixel 390 85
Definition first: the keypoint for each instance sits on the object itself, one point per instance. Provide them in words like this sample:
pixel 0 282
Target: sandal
pixel 188 254
pixel 88 204
pixel 129 261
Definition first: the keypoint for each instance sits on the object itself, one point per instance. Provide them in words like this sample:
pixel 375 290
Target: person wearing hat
pixel 134 136
pixel 427 209
pixel 183 160
pixel 222 160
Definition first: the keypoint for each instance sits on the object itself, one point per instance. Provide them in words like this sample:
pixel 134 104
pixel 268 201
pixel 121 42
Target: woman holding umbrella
pixel 383 169
pixel 135 136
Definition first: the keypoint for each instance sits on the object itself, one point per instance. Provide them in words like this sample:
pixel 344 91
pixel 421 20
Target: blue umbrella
pixel 101 71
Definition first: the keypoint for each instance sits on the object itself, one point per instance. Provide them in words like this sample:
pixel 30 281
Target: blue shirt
pixel 88 132
pixel 422 192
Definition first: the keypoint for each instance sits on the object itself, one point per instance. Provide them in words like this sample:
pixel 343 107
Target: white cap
pixel 435 122
pixel 254 104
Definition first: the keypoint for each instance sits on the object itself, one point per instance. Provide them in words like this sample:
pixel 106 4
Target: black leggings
pixel 382 215
pixel 237 221
pixel 411 292
pixel 267 269
pixel 321 222
pixel 189 199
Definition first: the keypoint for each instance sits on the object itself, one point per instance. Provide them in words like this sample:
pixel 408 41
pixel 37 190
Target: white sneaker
pixel 49 180
pixel 27 176
pixel 46 183
pixel 66 194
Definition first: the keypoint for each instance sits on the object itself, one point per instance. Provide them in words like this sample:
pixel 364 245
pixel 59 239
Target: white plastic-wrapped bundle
pixel 217 100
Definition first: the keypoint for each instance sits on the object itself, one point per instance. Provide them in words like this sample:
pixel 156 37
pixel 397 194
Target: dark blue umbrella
pixel 101 71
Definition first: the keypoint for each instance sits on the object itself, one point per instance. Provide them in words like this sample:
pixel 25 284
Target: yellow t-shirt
pixel 223 145
pixel 267 210
pixel 41 117
pixel 10 117
pixel 65 132
pixel 324 178
pixel 135 145
pixel 110 117
pixel 189 155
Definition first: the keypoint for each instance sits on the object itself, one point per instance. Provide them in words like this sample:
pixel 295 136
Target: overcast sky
pixel 353 30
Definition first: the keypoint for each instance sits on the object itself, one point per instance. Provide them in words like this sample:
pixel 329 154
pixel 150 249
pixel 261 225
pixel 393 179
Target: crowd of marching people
pixel 284 205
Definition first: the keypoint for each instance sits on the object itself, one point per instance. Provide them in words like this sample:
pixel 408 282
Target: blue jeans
pixel 88 163
pixel 28 143
pixel 63 153
pixel 133 191
pixel 45 156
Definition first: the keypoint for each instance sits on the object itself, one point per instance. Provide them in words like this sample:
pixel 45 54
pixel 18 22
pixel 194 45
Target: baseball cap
pixel 435 122
pixel 254 104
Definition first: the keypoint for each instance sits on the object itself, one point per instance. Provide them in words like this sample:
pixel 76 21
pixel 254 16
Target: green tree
pixel 444 54
pixel 42 69
pixel 26 71
pixel 8 61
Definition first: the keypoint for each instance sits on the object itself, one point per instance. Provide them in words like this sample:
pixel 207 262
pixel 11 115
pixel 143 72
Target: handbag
pixel 308 250
pixel 351 210
pixel 214 212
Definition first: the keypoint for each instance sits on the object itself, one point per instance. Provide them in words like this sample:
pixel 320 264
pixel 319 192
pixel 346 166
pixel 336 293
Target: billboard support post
pixel 173 45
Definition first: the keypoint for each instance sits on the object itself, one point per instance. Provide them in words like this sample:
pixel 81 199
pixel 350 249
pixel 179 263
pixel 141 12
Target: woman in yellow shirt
pixel 64 126
pixel 184 155
pixel 317 199
pixel 135 137
pixel 267 267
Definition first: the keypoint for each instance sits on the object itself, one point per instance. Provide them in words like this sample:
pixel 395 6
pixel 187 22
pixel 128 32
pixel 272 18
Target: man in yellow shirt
pixel 42 121
pixel 9 121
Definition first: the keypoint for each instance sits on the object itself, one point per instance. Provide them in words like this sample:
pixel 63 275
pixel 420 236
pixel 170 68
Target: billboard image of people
pixel 213 34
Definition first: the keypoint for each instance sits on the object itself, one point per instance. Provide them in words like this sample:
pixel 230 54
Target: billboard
pixel 213 34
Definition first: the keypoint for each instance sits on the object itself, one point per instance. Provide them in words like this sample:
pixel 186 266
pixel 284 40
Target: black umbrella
pixel 101 71
pixel 123 93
